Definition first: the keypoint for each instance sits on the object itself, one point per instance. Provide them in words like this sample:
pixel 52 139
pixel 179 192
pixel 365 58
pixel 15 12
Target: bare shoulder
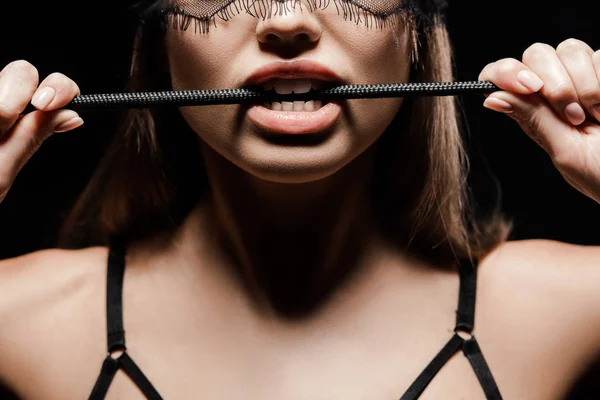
pixel 542 250
pixel 42 293
pixel 566 272
pixel 41 275
pixel 537 315
pixel 545 294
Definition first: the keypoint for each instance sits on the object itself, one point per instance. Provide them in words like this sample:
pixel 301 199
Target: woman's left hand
pixel 554 96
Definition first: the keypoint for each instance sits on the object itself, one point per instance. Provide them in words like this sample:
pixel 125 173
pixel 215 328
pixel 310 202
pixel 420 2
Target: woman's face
pixel 281 145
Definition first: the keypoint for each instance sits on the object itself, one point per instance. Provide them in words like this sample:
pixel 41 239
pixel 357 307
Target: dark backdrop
pixel 90 43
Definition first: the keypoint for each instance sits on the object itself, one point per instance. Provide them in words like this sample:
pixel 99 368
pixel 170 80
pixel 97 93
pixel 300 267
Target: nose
pixel 289 24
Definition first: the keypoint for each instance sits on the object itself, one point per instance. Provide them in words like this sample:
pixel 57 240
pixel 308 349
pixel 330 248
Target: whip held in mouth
pixel 181 98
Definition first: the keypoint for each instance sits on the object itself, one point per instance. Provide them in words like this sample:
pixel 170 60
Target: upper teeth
pixel 288 86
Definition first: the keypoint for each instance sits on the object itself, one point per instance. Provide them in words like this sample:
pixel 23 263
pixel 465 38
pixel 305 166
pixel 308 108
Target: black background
pixel 90 43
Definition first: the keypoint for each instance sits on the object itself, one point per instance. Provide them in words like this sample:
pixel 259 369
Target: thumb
pixel 26 136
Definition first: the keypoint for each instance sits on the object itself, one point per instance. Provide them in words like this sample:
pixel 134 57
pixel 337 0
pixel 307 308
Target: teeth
pixel 288 86
pixel 296 106
pixel 283 86
pixel 301 86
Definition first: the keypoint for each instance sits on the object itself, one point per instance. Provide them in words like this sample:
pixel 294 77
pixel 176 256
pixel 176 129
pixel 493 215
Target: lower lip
pixel 295 122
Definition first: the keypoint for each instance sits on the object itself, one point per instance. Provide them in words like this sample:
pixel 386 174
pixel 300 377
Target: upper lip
pixel 295 69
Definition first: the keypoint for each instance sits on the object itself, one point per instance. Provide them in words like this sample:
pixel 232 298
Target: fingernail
pixel 498 105
pixel 530 80
pixel 574 113
pixel 69 125
pixel 42 98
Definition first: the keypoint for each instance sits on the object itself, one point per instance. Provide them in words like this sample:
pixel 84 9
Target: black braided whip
pixel 248 96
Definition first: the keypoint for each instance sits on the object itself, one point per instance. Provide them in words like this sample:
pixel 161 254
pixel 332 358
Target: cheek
pixel 195 62
pixel 215 124
pixel 380 57
pixel 369 118
pixel 190 75
pixel 376 55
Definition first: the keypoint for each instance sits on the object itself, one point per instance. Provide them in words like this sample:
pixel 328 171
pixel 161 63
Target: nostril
pixel 272 38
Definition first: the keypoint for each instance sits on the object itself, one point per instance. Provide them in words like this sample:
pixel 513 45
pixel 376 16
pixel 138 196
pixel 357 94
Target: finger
pixel 576 56
pixel 511 75
pixel 537 118
pixel 55 92
pixel 558 88
pixel 26 137
pixel 18 81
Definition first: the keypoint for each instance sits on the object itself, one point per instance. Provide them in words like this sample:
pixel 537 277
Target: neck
pixel 292 244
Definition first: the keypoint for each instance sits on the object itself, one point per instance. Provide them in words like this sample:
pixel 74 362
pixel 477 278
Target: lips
pixel 293 122
pixel 294 69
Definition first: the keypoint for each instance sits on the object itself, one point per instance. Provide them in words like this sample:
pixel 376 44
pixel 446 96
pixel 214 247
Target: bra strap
pixel 465 318
pixel 465 314
pixel 116 333
pixel 114 296
pixel 473 353
pixel 418 386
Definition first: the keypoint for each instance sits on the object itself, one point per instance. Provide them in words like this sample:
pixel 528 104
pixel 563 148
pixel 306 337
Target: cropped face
pixel 288 48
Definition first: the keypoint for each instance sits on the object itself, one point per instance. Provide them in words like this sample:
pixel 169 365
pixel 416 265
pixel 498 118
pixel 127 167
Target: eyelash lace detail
pixel 177 18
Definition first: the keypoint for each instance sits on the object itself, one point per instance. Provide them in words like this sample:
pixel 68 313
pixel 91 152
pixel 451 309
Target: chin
pixel 293 168
pixel 278 160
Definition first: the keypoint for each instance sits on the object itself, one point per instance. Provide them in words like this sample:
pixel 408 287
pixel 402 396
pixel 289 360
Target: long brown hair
pixel 152 173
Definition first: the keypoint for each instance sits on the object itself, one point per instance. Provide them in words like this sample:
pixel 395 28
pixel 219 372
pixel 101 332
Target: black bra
pixel 116 338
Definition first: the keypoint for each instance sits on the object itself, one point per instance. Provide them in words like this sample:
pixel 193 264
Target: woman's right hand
pixel 22 135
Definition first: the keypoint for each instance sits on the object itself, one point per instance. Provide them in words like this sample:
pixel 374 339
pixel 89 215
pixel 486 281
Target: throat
pixel 292 273
pixel 292 257
pixel 292 245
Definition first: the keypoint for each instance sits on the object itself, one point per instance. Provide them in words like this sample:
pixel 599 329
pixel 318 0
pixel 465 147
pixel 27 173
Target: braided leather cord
pixel 247 96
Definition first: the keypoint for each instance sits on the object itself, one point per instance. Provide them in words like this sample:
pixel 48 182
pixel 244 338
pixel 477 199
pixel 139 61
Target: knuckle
pixel 33 145
pixel 560 91
pixel 488 72
pixel 536 51
pixel 27 125
pixel 509 66
pixel 572 46
pixel 61 83
pixel 7 113
pixel 485 72
pixel 32 140
pixel 534 124
pixel 501 67
pixel 24 70
pixel 589 95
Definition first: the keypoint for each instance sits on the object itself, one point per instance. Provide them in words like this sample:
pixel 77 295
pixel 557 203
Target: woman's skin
pixel 305 201
pixel 374 317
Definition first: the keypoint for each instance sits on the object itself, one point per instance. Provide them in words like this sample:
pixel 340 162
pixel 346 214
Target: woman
pixel 301 254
